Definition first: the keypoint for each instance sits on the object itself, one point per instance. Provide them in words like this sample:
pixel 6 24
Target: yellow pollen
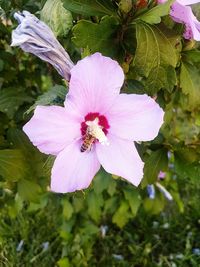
pixel 96 131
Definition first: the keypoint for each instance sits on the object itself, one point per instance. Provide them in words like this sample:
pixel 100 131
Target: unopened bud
pixel 125 6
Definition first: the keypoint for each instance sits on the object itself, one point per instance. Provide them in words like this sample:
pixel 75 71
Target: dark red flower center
pixel 102 121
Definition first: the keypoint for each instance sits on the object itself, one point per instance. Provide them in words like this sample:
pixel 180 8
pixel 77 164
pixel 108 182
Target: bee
pixel 88 141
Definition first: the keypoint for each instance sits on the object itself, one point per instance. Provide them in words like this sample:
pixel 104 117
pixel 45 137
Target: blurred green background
pixel 112 223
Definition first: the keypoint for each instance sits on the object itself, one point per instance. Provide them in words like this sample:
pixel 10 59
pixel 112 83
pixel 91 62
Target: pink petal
pixel 51 129
pixel 135 117
pixel 121 158
pixel 95 82
pixel 182 2
pixel 188 2
pixel 184 14
pixel 73 170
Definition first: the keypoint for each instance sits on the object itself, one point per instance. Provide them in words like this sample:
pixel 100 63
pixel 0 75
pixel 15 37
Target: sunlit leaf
pixel 153 16
pixel 133 198
pixel 57 17
pixel 29 190
pixel 122 215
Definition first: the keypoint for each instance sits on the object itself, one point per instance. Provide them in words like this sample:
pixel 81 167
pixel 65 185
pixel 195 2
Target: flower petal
pixel 94 84
pixel 73 170
pixel 188 2
pixel 35 37
pixel 52 128
pixel 184 14
pixel 121 158
pixel 135 117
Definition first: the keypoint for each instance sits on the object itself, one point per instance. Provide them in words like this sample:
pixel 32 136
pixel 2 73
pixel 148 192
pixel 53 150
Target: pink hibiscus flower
pixel 97 125
pixel 182 13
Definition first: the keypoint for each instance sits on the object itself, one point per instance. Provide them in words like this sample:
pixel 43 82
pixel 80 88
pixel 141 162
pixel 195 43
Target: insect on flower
pixel 96 126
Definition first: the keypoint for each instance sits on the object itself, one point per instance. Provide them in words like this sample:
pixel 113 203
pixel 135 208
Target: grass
pixel 169 239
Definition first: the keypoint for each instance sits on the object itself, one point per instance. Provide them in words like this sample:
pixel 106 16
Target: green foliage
pixel 90 7
pixel 57 17
pixel 153 16
pixel 90 228
pixel 155 57
pixel 98 37
pixel 12 165
pixel 190 84
pixel 54 96
pixel 11 99
pixel 156 162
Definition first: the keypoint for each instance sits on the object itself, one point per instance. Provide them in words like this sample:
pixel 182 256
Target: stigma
pixel 96 130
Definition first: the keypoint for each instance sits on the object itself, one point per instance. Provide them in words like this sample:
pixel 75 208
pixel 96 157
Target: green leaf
pixel 57 17
pixel 190 84
pixel 156 162
pixel 29 190
pixel 90 7
pixel 94 205
pixel 64 262
pixel 35 162
pixel 54 96
pixel 133 198
pixel 122 215
pixel 192 55
pixel 12 164
pixel 101 181
pixel 186 166
pixel 111 204
pixel 155 57
pixel 112 187
pixel 154 206
pixel 125 5
pixel 1 64
pixel 89 228
pixel 67 209
pixel 11 99
pixel 99 37
pixel 153 16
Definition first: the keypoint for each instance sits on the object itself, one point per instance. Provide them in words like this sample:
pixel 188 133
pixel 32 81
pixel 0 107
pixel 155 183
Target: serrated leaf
pixel 190 84
pixel 11 99
pixel 192 56
pixel 154 206
pixel 186 168
pixel 101 181
pixel 67 209
pixel 34 164
pixel 133 198
pixel 94 205
pixel 153 16
pixel 156 162
pixel 166 78
pixel 155 53
pixel 98 37
pixel 12 164
pixel 111 205
pixel 29 190
pixel 90 7
pixel 54 96
pixel 122 215
pixel 57 17
pixel 64 262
